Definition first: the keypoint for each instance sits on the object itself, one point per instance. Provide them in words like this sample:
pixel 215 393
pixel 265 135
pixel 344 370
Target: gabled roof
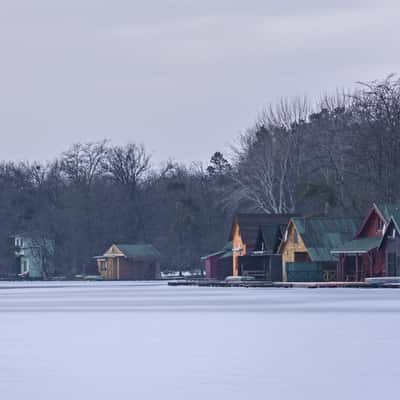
pixel 146 251
pixel 384 210
pixel 396 219
pixel 249 224
pixel 272 234
pixel 322 234
pixel 393 221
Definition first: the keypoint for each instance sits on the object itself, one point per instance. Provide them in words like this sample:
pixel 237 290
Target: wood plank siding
pixel 292 249
pixel 117 265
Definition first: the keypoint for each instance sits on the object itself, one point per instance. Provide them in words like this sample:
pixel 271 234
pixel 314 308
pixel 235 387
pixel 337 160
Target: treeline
pixel 336 157
pixel 96 194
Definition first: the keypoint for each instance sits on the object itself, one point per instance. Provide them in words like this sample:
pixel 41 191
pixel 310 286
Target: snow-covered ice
pixel 106 340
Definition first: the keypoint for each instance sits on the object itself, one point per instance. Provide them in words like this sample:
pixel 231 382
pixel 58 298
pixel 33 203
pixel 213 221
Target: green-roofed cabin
pixel 130 262
pixel 307 245
pixel 364 256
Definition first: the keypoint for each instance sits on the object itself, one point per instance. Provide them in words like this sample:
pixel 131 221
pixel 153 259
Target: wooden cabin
pixel 364 256
pixel 255 235
pixel 307 245
pixel 130 262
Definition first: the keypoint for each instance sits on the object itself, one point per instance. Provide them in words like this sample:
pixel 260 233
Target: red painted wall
pixel 370 229
pixel 211 267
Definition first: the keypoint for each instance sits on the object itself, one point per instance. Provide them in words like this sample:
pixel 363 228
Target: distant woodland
pixel 335 157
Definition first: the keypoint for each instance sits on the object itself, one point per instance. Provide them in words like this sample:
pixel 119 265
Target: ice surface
pixel 108 340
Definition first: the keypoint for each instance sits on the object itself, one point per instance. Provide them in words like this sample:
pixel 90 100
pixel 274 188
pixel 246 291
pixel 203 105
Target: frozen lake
pixel 149 341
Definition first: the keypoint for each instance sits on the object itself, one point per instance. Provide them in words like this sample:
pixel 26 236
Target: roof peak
pixel 325 218
pixel 133 244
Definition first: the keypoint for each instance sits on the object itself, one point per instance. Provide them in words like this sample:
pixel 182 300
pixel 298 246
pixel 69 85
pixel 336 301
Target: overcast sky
pixel 184 77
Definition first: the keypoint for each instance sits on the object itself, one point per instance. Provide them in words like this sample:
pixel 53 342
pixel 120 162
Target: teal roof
pixel 228 246
pixel 227 254
pixel 322 234
pixel 226 249
pixel 387 210
pixel 146 251
pixel 362 245
pixel 212 254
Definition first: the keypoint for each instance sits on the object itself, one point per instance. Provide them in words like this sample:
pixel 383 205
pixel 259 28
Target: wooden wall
pixel 120 268
pixel 237 242
pixel 289 248
pixel 370 229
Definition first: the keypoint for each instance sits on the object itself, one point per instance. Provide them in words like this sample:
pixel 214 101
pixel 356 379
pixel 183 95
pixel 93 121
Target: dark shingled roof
pixel 272 235
pixel 394 223
pixel 322 234
pixel 395 217
pixel 146 251
pixel 249 225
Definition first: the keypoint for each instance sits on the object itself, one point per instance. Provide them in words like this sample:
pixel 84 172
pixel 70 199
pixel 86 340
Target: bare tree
pixel 83 162
pixel 268 159
pixel 377 111
pixel 128 165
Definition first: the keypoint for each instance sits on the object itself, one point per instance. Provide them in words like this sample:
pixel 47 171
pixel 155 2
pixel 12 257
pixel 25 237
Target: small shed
pixel 218 265
pixel 130 262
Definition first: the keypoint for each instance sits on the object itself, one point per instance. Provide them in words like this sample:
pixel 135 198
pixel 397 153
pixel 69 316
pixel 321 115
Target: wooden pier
pixel 266 284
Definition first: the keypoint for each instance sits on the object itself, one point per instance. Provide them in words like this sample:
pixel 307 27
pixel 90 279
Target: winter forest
pixel 336 157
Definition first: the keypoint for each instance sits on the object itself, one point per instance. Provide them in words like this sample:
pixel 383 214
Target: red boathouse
pixel 363 256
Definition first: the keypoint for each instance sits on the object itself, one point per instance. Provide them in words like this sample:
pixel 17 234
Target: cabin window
pixel 295 237
pixel 381 225
pixel 393 233
pixel 301 257
pixel 391 264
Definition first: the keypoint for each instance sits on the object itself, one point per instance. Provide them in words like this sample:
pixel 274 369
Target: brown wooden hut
pixel 130 262
pixel 255 238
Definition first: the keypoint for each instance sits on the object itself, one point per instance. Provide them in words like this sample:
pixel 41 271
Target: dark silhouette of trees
pixel 336 158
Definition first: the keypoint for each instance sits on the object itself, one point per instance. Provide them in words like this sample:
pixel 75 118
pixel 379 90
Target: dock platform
pixel 266 284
